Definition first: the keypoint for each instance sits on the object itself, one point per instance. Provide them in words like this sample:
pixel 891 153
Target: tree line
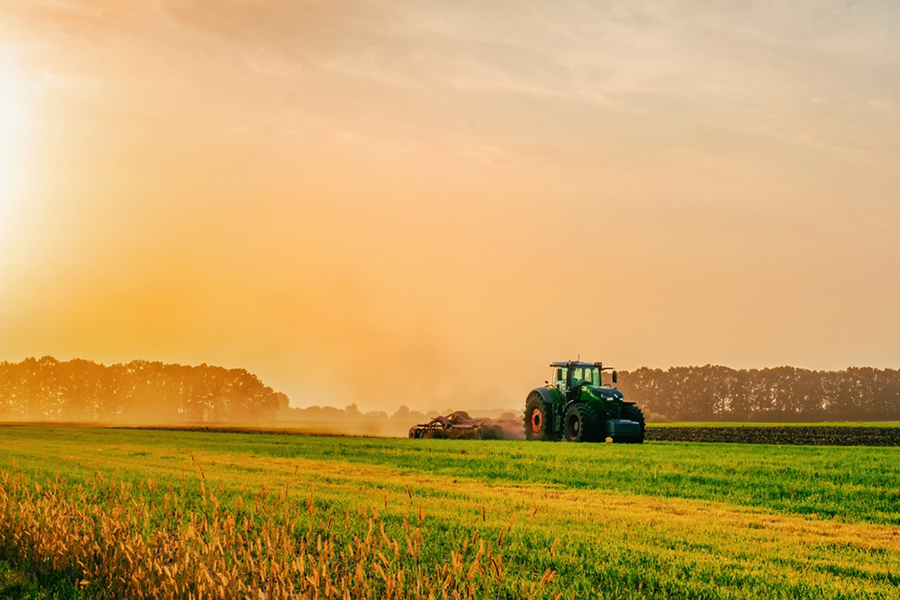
pixel 80 390
pixel 349 414
pixel 782 394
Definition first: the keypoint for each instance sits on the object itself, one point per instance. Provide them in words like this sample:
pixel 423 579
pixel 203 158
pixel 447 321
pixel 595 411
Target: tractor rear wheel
pixel 538 421
pixel 582 423
pixel 631 412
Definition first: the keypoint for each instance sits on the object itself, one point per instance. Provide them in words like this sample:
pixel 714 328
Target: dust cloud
pixel 316 336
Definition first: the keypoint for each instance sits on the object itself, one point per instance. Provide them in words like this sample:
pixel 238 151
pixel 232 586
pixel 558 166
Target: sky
pixel 425 203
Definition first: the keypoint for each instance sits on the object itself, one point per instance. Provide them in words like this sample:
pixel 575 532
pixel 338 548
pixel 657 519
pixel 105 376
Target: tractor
pixel 578 407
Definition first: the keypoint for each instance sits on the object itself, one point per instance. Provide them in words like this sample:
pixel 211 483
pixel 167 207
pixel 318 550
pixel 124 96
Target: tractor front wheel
pixel 582 423
pixel 538 425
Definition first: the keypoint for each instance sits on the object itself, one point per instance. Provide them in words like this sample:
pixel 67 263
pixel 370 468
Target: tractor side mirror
pixel 615 377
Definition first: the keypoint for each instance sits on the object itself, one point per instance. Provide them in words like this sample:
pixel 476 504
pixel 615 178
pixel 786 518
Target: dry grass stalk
pixel 121 546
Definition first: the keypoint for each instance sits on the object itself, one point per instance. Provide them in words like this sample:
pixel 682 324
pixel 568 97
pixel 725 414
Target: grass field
pixel 483 519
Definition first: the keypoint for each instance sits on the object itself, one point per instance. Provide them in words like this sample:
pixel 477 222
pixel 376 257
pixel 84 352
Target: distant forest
pixel 351 414
pixel 81 390
pixel 782 394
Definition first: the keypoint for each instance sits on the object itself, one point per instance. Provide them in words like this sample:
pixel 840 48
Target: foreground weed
pixel 115 543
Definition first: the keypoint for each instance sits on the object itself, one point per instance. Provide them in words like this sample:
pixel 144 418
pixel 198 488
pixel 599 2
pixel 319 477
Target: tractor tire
pixel 633 413
pixel 582 424
pixel 538 421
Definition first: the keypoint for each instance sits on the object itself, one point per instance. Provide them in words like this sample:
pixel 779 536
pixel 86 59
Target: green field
pixel 659 520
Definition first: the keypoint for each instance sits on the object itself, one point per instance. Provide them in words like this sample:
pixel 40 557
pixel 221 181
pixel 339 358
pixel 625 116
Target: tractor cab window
pixel 577 376
pixel 588 375
pixel 559 378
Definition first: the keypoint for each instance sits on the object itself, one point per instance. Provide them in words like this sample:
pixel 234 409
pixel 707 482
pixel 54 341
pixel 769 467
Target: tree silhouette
pixel 781 394
pixel 81 390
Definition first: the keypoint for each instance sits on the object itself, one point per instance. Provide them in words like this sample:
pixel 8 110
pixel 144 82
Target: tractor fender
pixel 548 395
pixel 552 400
pixel 570 403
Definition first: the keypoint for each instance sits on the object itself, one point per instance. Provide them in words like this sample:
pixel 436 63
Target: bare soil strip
pixel 794 435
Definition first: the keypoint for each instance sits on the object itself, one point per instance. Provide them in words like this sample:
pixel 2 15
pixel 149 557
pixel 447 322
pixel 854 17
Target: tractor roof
pixel 575 363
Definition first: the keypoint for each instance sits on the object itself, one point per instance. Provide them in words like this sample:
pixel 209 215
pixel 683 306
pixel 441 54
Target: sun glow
pixel 13 123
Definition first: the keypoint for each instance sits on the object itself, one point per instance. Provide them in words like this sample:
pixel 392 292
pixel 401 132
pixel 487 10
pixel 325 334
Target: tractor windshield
pixel 588 375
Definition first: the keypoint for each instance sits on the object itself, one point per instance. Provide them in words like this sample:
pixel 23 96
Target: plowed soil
pixel 797 435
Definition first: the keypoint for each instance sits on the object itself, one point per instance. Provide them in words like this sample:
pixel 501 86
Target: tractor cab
pixel 568 377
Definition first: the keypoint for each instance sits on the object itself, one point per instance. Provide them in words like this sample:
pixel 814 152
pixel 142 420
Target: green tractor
pixel 580 408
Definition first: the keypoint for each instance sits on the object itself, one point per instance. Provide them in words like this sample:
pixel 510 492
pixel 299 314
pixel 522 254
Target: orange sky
pixel 427 202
